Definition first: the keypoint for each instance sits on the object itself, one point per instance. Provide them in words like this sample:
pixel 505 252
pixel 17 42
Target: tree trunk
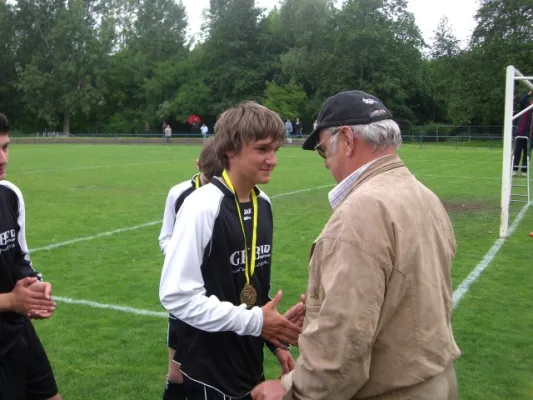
pixel 66 122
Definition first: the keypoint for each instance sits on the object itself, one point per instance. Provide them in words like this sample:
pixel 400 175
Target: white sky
pixel 427 13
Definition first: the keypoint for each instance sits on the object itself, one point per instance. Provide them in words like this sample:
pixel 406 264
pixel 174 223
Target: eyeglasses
pixel 318 148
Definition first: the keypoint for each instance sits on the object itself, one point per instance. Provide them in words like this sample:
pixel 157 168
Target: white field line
pixel 464 287
pixel 132 228
pixel 94 304
pixel 99 235
pixel 68 169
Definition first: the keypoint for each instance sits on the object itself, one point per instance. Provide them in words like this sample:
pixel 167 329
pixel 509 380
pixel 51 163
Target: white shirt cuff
pixel 286 381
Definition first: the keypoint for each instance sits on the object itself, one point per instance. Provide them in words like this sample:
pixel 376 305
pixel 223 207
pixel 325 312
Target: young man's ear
pixel 198 164
pixel 230 155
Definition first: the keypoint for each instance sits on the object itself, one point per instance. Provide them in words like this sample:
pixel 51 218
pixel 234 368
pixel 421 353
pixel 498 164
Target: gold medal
pixel 249 296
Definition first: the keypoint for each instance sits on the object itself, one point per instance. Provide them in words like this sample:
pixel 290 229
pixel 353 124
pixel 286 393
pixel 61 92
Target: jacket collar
pixel 378 167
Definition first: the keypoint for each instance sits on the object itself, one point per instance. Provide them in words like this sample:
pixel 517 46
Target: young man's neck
pixel 241 186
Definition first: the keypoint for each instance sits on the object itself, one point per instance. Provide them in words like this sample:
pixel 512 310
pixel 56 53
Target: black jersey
pixel 202 279
pixel 15 262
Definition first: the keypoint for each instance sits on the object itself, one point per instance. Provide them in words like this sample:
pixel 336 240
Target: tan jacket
pixel 379 298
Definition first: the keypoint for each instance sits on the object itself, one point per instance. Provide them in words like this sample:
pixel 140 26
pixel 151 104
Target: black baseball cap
pixel 352 107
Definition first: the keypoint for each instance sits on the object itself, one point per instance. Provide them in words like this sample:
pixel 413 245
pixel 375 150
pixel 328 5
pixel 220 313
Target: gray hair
pixel 380 134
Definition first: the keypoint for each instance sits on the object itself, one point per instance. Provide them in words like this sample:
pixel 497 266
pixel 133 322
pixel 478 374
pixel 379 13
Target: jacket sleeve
pixel 182 291
pixel 342 313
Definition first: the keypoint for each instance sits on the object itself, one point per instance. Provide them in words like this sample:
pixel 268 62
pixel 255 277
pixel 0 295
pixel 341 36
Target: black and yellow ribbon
pixel 249 263
pixel 197 182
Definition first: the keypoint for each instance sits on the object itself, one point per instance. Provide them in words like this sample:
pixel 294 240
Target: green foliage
pixel 289 101
pixel 93 65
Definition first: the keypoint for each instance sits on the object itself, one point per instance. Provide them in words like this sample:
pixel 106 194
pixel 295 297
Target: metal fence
pixel 425 135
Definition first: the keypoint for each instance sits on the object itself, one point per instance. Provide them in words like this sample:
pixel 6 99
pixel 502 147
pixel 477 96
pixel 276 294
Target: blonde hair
pixel 243 123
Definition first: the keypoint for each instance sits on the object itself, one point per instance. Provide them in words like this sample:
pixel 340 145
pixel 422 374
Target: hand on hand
pixel 32 297
pixel 276 328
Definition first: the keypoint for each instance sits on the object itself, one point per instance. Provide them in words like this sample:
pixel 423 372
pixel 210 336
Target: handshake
pixel 283 330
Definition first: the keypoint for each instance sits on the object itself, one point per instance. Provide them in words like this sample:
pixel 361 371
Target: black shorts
pixel 198 391
pixel 176 332
pixel 25 372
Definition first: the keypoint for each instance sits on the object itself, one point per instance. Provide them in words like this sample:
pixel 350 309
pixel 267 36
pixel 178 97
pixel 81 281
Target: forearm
pixel 212 315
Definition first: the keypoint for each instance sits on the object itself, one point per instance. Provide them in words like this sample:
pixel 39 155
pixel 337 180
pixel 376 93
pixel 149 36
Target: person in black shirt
pixel 25 372
pixel 216 275
pixel 209 166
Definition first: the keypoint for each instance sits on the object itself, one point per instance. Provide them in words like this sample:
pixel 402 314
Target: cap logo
pixel 369 101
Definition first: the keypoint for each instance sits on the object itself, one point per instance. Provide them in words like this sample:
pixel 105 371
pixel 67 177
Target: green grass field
pixel 80 191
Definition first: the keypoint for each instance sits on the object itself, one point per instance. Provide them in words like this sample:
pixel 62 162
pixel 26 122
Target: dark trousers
pixel 25 372
pixel 520 151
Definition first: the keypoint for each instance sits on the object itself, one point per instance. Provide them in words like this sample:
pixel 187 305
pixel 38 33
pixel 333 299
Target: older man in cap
pixel 379 296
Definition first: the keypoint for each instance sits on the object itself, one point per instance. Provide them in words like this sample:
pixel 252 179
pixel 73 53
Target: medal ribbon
pixel 249 263
pixel 197 181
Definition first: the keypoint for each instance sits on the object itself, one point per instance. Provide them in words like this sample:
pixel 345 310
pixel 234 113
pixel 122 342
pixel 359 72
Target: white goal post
pixel 512 75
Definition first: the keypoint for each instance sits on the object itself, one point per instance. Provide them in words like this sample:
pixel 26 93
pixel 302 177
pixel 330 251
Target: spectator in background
pixel 205 130
pixel 298 127
pixel 288 130
pixel 168 133
pixel 523 135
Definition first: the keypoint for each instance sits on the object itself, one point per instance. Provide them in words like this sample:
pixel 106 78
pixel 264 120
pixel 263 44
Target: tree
pixel 65 76
pixel 306 31
pixel 160 29
pixel 9 97
pixel 237 59
pixel 503 36
pixel 376 48
pixel 289 101
pixel 444 69
pixel 445 43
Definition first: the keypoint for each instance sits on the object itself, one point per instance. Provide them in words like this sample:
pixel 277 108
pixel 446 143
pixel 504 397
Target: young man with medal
pixel 209 166
pixel 216 275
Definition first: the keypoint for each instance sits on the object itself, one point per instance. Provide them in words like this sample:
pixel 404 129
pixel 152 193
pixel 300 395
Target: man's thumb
pixel 277 299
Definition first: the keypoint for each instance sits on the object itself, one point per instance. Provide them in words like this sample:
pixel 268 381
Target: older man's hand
pixel 268 390
pixel 296 314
